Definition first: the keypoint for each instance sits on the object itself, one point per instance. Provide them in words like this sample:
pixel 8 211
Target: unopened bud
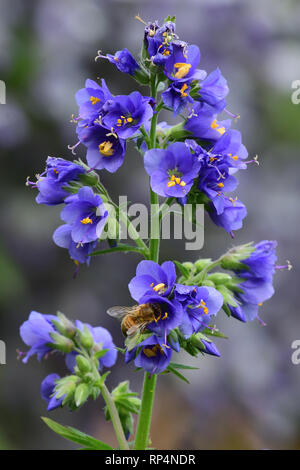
pixel 86 338
pixel 62 343
pixel 82 393
pixel 83 364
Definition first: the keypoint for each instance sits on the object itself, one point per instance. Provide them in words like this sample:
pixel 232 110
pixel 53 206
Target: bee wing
pixel 120 312
pixel 136 328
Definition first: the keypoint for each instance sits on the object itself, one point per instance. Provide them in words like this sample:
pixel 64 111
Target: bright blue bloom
pixel 232 216
pixel 199 304
pixel 257 285
pixel 230 145
pixel 213 90
pixel 153 355
pixel 177 97
pixel 52 183
pixel 86 213
pixel 181 65
pixel 152 278
pixel 159 41
pixel 172 170
pixel 169 313
pixel 91 99
pixel 124 61
pixel 36 333
pixel 203 123
pixel 124 115
pixel 105 150
pixel 79 252
pixel 48 392
pixel 101 337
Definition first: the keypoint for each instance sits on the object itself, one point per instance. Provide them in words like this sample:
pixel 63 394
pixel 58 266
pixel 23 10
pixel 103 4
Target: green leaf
pixel 175 372
pixel 74 435
pixel 215 332
pixel 184 271
pixel 101 353
pixel 175 365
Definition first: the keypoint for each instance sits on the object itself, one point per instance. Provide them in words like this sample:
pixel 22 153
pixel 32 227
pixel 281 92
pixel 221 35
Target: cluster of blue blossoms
pixel 195 161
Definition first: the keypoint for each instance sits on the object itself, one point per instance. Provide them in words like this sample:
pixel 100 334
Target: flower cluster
pixel 87 351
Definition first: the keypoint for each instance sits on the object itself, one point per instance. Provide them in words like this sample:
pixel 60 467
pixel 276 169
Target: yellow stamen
pixel 177 180
pixel 233 201
pixel 94 100
pixel 106 148
pixel 235 157
pixel 151 352
pixel 182 90
pixel 221 130
pixel 157 319
pixel 151 285
pixel 86 221
pixel 182 183
pixel 166 52
pixel 55 171
pixel 129 119
pixel 171 183
pixel 182 69
pixel 159 287
pixel 214 124
pixel 221 185
pixel 165 316
pixel 260 304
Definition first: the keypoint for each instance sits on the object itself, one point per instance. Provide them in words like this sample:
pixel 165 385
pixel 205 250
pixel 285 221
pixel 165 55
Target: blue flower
pixel 36 333
pixel 203 123
pixel 101 337
pixel 124 61
pixel 181 65
pixel 79 252
pixel 210 348
pixel 91 99
pixel 151 278
pixel 199 303
pixel 48 392
pixel 172 170
pixel 153 355
pixel 213 90
pixel 52 183
pixel 231 218
pixel 124 115
pixel 159 41
pixel 86 213
pixel 177 97
pixel 257 281
pixel 105 149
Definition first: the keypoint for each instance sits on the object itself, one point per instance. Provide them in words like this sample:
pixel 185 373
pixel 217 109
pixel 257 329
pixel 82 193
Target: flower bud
pixel 65 326
pixel 82 393
pixel 62 343
pixel 219 278
pixel 86 338
pixel 202 263
pixel 83 364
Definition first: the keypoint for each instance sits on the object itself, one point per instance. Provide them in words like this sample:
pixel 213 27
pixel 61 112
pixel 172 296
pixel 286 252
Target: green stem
pixel 115 419
pixel 144 423
pixel 201 276
pixel 122 247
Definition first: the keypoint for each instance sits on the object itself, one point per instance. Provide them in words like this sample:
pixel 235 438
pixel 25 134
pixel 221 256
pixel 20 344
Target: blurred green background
pixel 248 398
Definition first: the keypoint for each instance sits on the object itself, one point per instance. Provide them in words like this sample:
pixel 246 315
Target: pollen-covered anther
pixel 159 287
pixel 94 100
pixel 216 126
pixel 152 352
pixel 106 148
pixel 86 220
pixel 124 120
pixel 182 90
pixel 182 69
pixel 233 201
pixel 165 316
pixel 174 180
pixel 221 185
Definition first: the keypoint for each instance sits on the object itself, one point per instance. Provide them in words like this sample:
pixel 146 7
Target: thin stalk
pixel 124 248
pixel 144 423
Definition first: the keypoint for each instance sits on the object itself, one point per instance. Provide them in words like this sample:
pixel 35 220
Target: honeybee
pixel 135 319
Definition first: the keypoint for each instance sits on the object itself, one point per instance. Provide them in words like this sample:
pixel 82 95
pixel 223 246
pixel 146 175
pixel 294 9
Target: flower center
pixel 234 157
pixel 106 148
pixel 174 180
pixel 124 120
pixel 182 69
pixel 152 352
pixel 86 221
pixel 216 126
pixel 55 170
pixel 94 100
pixel 203 306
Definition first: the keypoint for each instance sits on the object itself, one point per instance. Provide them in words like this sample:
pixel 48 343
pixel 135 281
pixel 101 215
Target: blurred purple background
pixel 248 398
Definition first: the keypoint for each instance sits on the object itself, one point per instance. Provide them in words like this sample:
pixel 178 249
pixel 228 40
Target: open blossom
pixel 125 114
pixel 199 304
pixel 52 183
pixel 203 123
pixel 159 41
pixel 177 97
pixel 36 333
pixel 104 149
pixel 48 392
pixel 172 170
pixel 181 66
pixel 91 99
pixel 153 355
pixel 103 338
pixel 231 218
pixel 261 262
pixel 169 313
pixel 152 278
pixel 86 214
pixel 79 252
